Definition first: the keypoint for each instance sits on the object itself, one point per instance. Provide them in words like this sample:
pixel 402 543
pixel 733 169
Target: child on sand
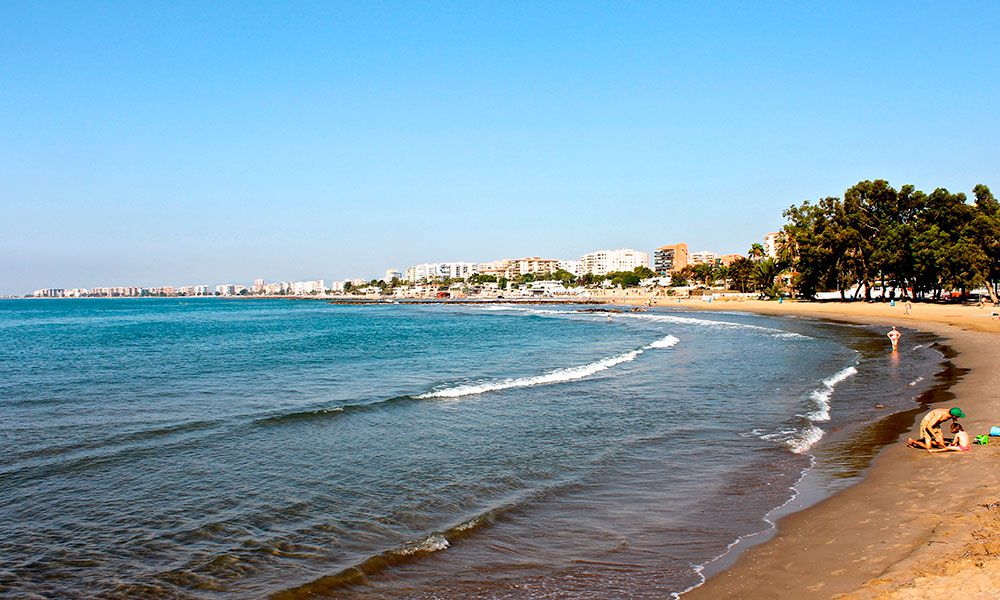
pixel 960 443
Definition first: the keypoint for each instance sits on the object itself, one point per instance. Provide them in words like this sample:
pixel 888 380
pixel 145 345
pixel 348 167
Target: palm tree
pixel 756 251
pixel 764 274
pixel 788 251
pixel 788 256
pixel 722 273
pixel 703 272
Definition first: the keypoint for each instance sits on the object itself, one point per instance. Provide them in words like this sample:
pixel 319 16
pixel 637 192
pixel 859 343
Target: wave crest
pixel 556 376
pixel 822 395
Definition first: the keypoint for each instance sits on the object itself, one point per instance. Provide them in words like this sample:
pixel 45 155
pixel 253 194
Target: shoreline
pixel 907 528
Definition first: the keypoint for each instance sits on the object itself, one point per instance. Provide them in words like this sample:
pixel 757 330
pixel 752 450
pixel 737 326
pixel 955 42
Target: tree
pixel 704 273
pixel 756 251
pixel 765 273
pixel 644 272
pixel 624 279
pixel 564 276
pixel 740 273
pixel 984 232
pixel 921 243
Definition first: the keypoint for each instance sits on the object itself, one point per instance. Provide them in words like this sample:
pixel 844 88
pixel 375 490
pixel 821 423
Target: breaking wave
pixel 801 438
pixel 822 395
pixel 556 376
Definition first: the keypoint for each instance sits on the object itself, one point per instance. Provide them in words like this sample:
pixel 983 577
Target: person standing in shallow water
pixel 894 336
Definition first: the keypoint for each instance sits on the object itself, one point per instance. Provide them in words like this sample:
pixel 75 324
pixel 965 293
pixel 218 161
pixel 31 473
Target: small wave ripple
pixel 657 318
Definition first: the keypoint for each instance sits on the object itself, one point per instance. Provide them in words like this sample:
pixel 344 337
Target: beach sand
pixel 919 525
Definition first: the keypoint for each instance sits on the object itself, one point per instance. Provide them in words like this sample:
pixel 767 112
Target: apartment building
pixel 705 257
pixel 670 258
pixel 771 244
pixel 571 266
pixel 422 272
pixel 602 262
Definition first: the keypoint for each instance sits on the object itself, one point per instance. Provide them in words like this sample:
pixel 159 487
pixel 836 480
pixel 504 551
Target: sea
pixel 285 449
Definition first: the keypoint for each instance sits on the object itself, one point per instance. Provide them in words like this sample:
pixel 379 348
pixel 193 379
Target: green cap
pixel 957 412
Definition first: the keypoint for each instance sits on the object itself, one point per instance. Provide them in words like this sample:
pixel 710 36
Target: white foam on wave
pixel 916 381
pixel 556 376
pixel 822 395
pixel 801 439
pixel 658 318
pixel 805 440
pixel 432 543
pixel 795 439
pixel 778 333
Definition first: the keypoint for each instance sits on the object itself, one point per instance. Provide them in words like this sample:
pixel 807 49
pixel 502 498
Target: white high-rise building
pixel 391 274
pixel 602 262
pixel 316 286
pixel 572 266
pixel 771 244
pixel 444 270
pixel 422 271
pixel 704 257
pixel 456 270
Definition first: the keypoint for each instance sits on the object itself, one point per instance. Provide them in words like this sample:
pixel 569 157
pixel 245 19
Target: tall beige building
pixel 671 258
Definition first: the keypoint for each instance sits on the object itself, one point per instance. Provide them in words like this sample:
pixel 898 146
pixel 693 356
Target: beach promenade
pixel 919 525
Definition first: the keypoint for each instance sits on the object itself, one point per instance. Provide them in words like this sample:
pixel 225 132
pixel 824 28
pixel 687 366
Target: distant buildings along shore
pixel 665 261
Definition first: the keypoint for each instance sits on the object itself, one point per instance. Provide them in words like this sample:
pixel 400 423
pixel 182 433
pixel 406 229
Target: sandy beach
pixel 919 525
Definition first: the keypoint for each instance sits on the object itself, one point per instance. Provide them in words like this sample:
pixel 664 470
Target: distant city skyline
pixel 155 143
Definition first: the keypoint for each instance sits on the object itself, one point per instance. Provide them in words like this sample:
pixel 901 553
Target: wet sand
pixel 919 525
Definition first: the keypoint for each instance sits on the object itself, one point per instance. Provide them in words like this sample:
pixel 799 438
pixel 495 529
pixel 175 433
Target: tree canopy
pixel 919 244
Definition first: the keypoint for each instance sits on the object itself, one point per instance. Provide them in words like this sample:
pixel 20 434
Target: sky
pixel 182 143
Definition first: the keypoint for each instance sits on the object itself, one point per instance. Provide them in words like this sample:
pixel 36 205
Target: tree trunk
pixel 993 293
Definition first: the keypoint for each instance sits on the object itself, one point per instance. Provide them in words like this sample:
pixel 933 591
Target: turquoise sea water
pixel 168 448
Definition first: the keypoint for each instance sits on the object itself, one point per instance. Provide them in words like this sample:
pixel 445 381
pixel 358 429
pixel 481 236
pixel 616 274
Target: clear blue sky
pixel 206 142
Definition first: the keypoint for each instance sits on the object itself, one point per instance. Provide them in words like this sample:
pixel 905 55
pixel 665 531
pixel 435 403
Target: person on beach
pixel 930 428
pixel 894 336
pixel 960 443
pixel 909 307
